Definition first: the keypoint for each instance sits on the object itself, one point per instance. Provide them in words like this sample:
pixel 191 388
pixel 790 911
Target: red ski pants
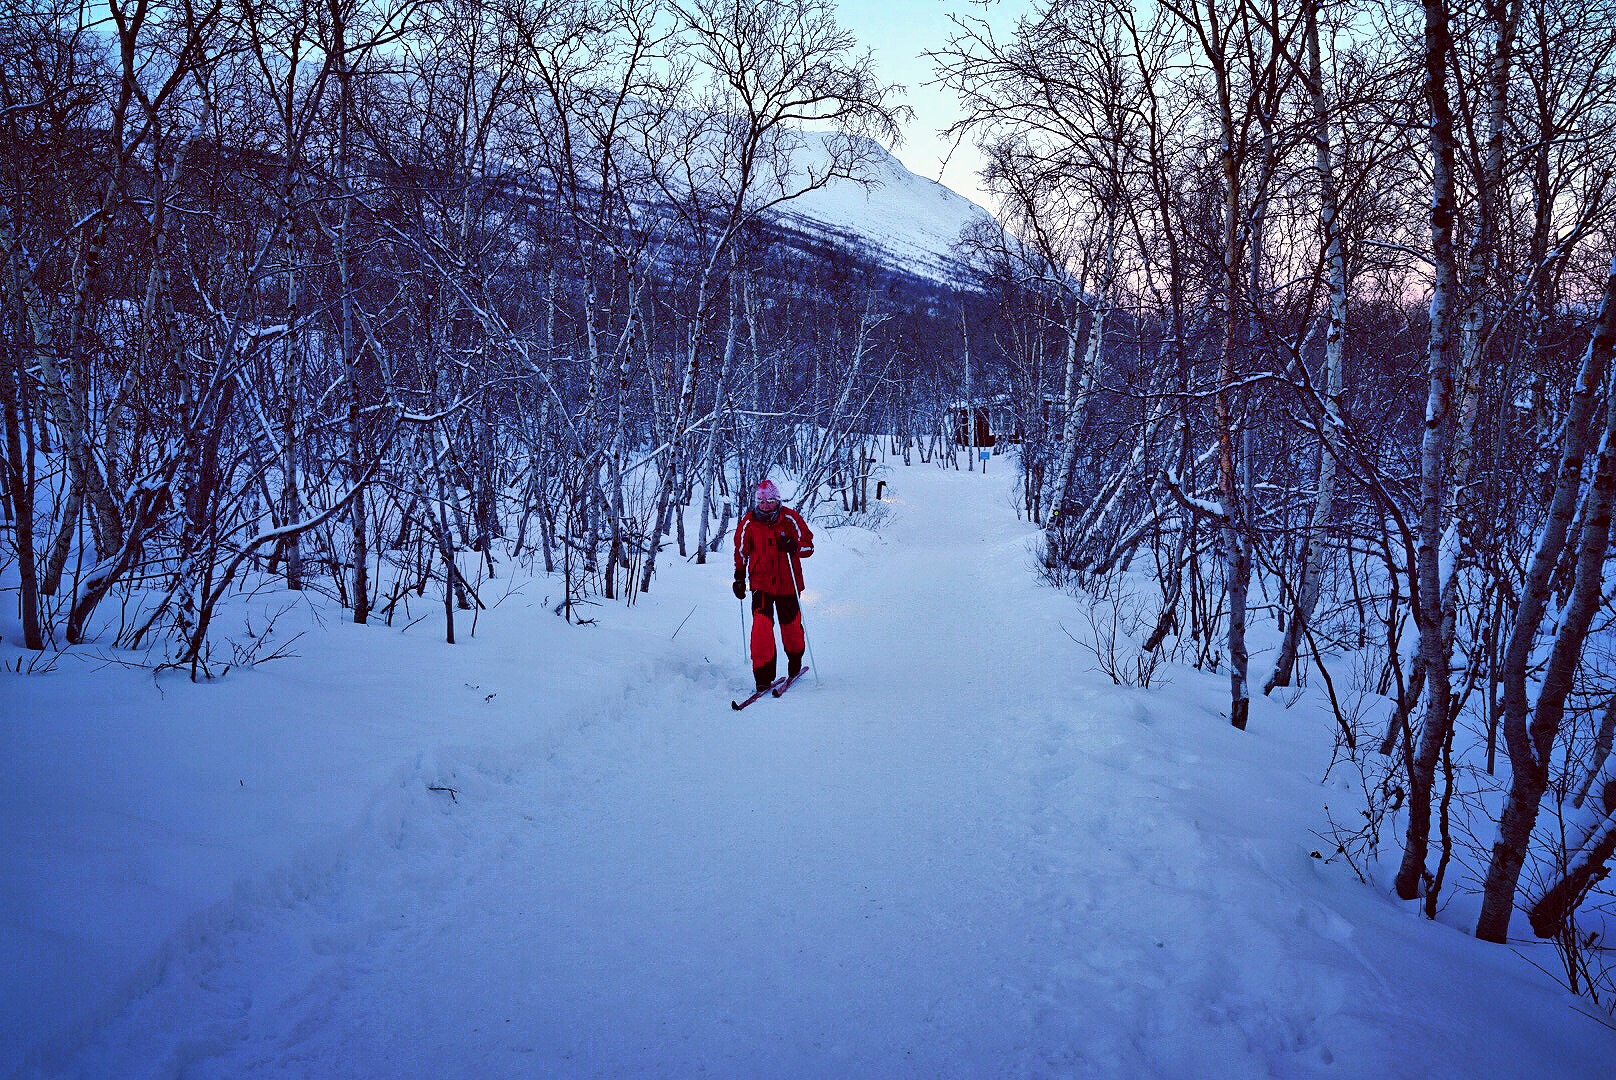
pixel 764 607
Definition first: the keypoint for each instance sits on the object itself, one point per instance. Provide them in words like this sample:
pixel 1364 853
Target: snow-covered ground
pixel 956 853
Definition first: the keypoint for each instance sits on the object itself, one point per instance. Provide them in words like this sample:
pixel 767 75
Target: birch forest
pixel 1322 299
pixel 1299 327
pixel 327 294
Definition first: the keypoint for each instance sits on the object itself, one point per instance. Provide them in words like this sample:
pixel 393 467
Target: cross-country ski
pixel 785 684
pixel 776 687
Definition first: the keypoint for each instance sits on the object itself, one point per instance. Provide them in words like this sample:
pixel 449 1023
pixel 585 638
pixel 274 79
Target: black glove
pixel 787 543
pixel 740 584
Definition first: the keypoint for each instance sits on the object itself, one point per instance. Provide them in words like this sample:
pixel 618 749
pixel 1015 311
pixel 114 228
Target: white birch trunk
pixel 1312 555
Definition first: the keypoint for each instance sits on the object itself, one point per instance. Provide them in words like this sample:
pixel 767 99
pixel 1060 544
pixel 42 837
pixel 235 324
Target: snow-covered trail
pixel 956 855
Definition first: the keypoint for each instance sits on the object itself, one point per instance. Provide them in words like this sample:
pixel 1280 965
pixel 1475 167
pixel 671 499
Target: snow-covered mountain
pixel 902 221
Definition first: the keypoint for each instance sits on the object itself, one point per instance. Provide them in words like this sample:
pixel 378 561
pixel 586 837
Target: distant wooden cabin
pixel 973 425
pixel 988 422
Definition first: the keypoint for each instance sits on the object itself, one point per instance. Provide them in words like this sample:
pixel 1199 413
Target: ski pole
pixel 791 572
pixel 746 640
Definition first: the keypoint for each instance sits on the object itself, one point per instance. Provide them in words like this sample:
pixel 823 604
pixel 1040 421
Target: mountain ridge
pixel 903 221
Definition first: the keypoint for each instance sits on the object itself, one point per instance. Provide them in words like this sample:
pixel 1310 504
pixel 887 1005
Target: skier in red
pixel 771 541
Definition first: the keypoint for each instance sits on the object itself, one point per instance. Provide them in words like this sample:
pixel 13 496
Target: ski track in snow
pixel 958 855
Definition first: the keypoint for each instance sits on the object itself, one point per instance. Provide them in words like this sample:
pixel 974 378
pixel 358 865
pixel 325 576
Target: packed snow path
pixel 956 853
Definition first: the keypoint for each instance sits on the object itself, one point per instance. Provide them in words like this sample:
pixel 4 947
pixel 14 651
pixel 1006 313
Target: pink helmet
pixel 767 492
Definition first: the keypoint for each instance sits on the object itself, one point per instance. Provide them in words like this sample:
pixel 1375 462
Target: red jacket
pixel 757 549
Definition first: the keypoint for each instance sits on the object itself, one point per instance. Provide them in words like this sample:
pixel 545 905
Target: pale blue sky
pixel 898 31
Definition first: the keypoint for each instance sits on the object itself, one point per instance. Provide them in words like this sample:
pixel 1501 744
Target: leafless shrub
pixel 1115 622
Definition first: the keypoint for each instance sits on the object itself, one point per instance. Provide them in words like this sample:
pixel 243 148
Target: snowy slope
pixel 904 221
pixel 959 854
